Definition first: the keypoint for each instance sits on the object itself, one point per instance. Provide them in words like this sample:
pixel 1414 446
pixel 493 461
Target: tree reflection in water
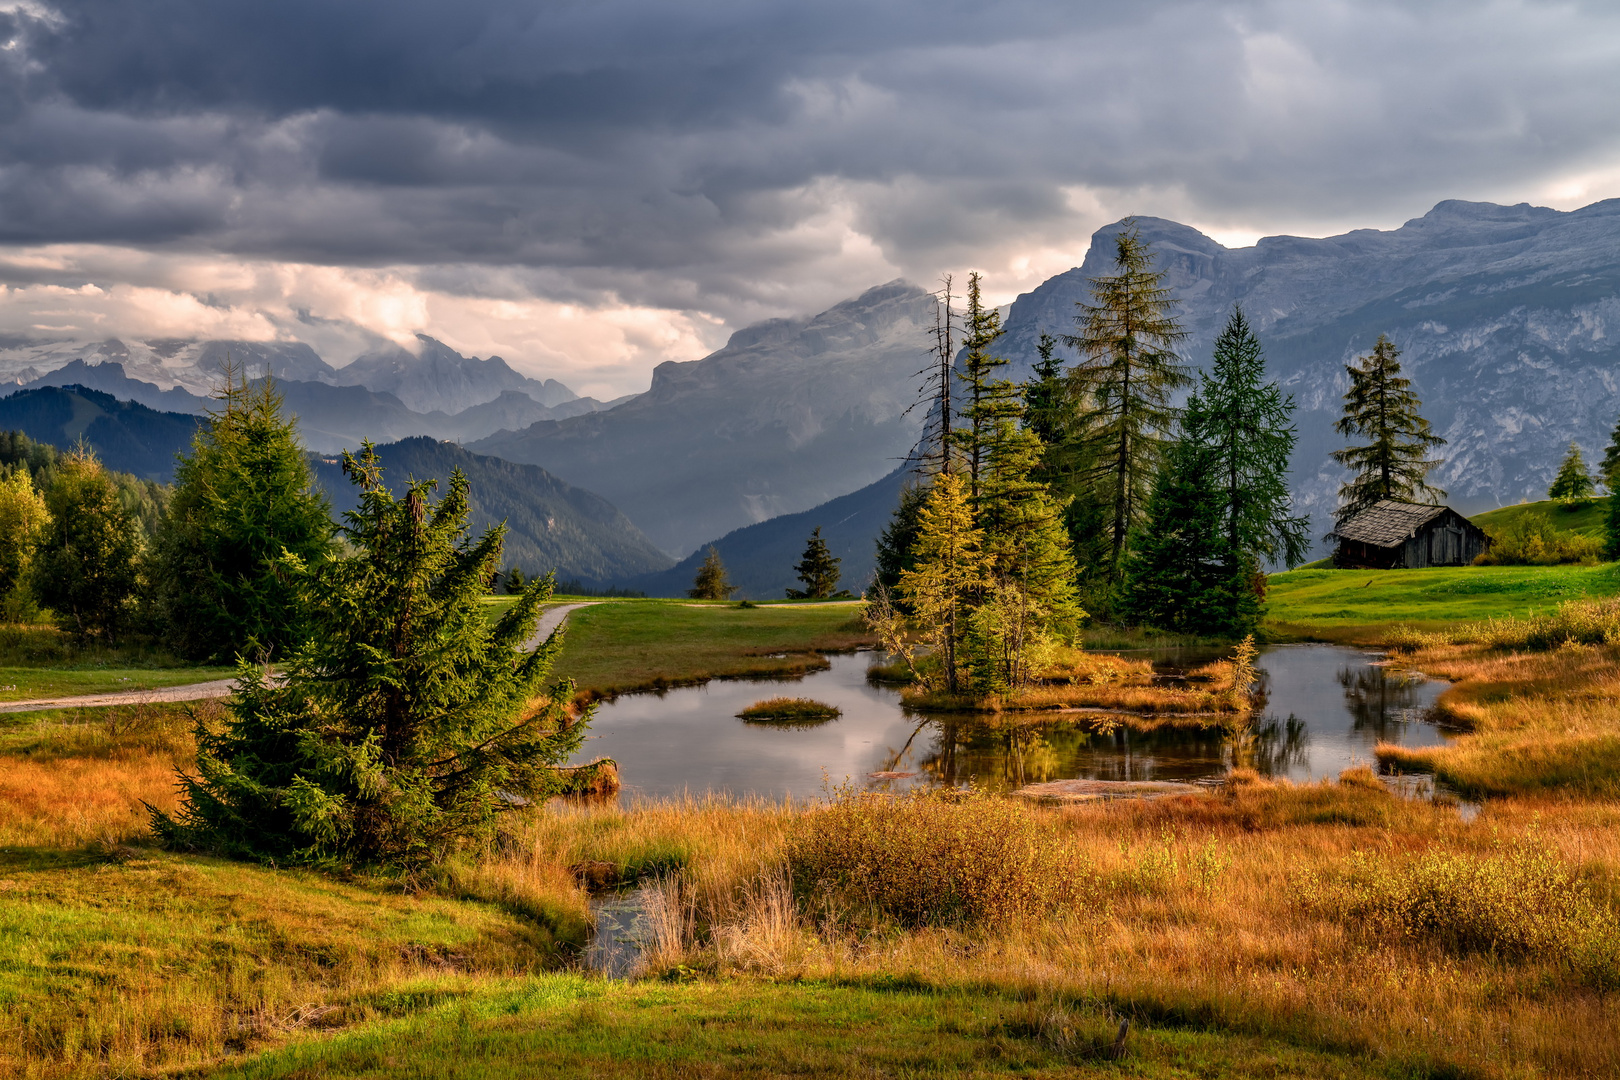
pixel 1378 700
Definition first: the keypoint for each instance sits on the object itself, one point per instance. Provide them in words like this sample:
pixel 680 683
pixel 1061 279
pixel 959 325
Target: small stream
pixel 1322 709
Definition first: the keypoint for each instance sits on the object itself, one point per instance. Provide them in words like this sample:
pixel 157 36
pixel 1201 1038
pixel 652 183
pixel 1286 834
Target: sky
pixel 588 188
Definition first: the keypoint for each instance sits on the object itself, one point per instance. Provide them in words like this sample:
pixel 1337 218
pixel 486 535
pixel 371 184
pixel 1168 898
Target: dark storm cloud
pixel 719 155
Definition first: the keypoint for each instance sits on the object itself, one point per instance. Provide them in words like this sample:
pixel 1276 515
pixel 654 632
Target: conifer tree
pixel 1573 482
pixel 1181 574
pixel 1381 408
pixel 986 399
pixel 23 524
pixel 711 583
pixel 407 721
pixel 84 568
pixel 1247 424
pixel 897 543
pixel 949 571
pixel 1122 386
pixel 1611 529
pixel 818 570
pixel 1028 589
pixel 1609 467
pixel 516 583
pixel 243 497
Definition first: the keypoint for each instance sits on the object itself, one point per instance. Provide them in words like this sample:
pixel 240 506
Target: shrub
pixel 937 858
pixel 1521 903
pixel 1532 540
pixel 1574 622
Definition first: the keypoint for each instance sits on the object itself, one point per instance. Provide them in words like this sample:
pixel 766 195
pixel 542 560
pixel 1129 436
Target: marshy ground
pixel 1264 929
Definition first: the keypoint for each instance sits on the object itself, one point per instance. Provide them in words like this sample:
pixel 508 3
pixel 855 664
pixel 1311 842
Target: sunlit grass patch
pixel 791 710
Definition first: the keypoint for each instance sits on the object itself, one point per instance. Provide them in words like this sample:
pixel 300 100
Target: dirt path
pixel 217 688
pixel 550 619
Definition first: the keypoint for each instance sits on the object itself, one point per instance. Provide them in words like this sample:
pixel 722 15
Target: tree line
pixel 400 718
pixel 1114 483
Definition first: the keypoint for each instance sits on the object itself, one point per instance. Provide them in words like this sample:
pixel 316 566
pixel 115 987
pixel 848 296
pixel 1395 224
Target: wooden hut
pixel 1392 535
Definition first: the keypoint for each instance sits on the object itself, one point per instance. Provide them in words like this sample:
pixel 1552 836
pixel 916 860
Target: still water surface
pixel 1322 709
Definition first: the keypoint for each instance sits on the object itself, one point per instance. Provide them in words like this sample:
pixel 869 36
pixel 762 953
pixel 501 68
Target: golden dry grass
pixel 1536 721
pixel 1079 680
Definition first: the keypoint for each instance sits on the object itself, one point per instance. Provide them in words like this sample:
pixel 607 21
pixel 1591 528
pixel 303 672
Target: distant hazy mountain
pixel 125 435
pixel 760 558
pixel 1507 318
pixel 791 413
pixel 437 378
pixel 550 524
pixel 329 417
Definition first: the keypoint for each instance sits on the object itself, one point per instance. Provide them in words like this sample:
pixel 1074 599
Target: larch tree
pixel 1122 386
pixel 24 521
pixel 243 498
pixel 1381 408
pixel 949 571
pixel 1573 481
pixel 711 582
pixel 407 721
pixel 84 569
pixel 897 543
pixel 817 570
pixel 1028 590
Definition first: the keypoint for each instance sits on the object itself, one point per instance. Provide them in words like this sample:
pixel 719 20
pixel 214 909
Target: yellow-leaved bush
pixel 937 858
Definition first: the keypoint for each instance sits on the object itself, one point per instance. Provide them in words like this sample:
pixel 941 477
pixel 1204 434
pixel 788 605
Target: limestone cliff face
pixel 1506 317
pixel 791 413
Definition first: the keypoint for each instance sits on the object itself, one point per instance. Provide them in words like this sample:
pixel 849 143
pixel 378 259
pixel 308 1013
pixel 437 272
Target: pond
pixel 1321 709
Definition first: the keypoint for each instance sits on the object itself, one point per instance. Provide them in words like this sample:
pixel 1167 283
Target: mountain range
pixel 790 413
pixel 331 417
pixel 431 378
pixel 1503 315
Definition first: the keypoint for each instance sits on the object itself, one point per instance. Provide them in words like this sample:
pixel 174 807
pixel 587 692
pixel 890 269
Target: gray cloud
pixel 745 159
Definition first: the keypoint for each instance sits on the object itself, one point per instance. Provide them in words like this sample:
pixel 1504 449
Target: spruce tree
pixel 85 566
pixel 1573 482
pixel 1611 529
pixel 818 570
pixel 243 497
pixel 1248 425
pixel 711 583
pixel 1175 565
pixel 986 399
pixel 1609 467
pixel 1381 408
pixel 1181 574
pixel 897 543
pixel 516 583
pixel 1123 385
pixel 407 721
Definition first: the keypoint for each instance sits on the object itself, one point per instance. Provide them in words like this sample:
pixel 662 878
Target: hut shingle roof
pixel 1387 523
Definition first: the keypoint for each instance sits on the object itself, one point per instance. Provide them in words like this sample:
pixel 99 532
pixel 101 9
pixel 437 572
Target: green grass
pixel 1362 604
pixel 151 959
pixel 1585 520
pixel 569 1026
pixel 647 644
pixel 25 683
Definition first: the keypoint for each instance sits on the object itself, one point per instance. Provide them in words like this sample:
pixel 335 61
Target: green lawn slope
pixel 1360 605
pixel 1585 519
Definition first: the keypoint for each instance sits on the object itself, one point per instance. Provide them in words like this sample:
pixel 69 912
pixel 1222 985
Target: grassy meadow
pixel 1260 930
